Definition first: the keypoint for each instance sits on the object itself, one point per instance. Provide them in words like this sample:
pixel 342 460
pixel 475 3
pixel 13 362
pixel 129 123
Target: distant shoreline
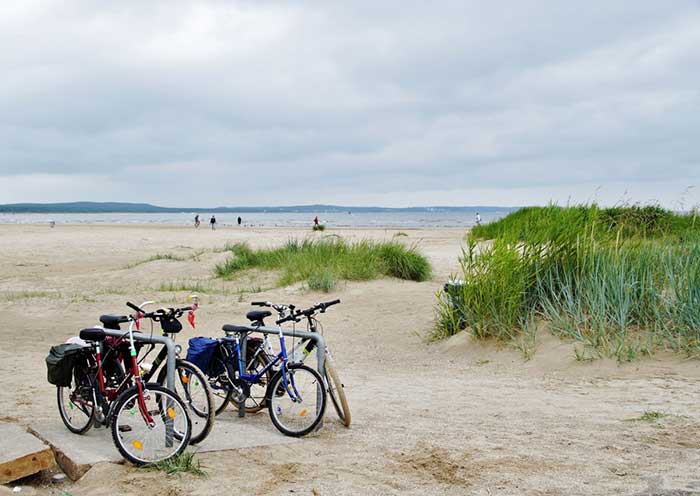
pixel 146 208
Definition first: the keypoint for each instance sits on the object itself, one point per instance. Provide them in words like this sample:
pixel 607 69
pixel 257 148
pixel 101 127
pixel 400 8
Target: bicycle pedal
pixel 124 428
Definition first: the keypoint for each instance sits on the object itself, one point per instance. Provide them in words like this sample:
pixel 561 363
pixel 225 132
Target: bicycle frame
pixel 254 378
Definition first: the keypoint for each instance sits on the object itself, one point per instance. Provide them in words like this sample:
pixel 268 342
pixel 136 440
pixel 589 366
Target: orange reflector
pixel 303 412
pixel 185 379
pixel 137 444
pixel 171 413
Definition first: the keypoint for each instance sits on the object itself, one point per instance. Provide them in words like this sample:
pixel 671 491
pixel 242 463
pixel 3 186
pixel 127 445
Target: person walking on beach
pixel 478 219
pixel 239 221
pixel 316 220
pixel 212 221
pixel 196 221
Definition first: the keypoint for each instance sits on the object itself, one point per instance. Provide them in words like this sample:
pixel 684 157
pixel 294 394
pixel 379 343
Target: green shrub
pixel 319 227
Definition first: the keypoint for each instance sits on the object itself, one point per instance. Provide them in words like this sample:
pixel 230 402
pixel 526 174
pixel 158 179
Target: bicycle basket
pixel 60 362
pixel 170 326
pixel 200 352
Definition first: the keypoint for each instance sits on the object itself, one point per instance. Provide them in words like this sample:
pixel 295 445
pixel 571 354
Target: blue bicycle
pixel 295 395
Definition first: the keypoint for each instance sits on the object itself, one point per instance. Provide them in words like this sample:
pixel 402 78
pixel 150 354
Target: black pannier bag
pixel 60 362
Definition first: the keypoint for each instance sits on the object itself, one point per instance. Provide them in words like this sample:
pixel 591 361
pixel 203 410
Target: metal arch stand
pixel 169 345
pixel 314 336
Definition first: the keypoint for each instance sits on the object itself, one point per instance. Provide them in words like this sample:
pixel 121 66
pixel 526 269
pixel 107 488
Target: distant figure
pixel 52 223
pixel 316 220
pixel 212 221
pixel 239 221
pixel 196 221
pixel 478 219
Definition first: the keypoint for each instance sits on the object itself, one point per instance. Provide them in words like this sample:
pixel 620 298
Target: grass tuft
pixel 322 280
pixel 321 263
pixel 651 416
pixel 184 463
pixel 319 227
pixel 185 286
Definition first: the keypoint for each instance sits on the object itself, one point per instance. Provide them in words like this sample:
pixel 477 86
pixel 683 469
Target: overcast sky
pixel 389 103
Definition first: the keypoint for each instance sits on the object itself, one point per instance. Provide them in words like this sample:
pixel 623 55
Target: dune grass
pixel 321 263
pixel 623 282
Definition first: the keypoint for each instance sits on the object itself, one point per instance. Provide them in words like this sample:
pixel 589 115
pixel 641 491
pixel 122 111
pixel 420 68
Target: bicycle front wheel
pixel 296 400
pixel 336 390
pixel 192 386
pixel 141 443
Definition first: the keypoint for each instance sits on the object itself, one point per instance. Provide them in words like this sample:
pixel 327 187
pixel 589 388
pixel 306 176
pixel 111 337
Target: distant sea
pixel 393 220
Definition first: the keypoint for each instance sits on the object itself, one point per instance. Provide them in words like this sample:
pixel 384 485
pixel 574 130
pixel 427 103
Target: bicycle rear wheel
pixel 258 391
pixel 221 383
pixel 192 386
pixel 76 404
pixel 299 413
pixel 142 444
pixel 336 391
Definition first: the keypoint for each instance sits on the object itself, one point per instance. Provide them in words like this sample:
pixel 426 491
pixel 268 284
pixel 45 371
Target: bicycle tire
pixel 276 391
pixel 79 381
pixel 201 416
pixel 336 391
pixel 256 402
pixel 177 410
pixel 221 392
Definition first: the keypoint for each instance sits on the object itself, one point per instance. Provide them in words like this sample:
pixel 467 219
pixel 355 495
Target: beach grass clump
pixel 321 263
pixel 322 280
pixel 184 286
pixel 319 227
pixel 623 290
pixel 184 463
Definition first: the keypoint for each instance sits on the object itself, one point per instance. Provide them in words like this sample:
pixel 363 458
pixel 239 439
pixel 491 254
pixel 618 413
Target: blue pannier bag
pixel 200 352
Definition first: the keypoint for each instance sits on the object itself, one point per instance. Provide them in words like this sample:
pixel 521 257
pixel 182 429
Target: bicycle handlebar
pixel 296 315
pixel 161 312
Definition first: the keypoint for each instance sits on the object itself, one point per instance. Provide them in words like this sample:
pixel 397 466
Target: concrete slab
pixel 21 454
pixel 76 454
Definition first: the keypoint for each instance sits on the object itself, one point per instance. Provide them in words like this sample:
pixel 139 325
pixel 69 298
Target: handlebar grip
pixel 134 307
pixel 287 319
pixel 259 303
pixel 329 303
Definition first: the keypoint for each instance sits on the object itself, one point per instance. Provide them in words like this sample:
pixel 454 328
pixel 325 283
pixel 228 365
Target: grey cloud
pixel 358 99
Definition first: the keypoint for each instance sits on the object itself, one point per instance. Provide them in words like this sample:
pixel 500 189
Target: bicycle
pixel 334 386
pixel 295 395
pixel 149 423
pixel 191 384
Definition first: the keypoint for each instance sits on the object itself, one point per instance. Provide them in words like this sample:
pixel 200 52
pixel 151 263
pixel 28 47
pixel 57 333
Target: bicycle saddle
pixel 92 334
pixel 113 321
pixel 257 315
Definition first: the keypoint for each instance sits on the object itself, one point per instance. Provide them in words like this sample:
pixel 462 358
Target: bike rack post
pixel 314 336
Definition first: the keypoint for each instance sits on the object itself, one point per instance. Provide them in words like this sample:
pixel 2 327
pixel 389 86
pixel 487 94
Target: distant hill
pixel 119 207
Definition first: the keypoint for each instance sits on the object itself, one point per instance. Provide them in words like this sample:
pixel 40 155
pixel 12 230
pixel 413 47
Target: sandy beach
pixel 455 417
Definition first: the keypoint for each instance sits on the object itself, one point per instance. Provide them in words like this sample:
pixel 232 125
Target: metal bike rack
pixel 169 345
pixel 314 336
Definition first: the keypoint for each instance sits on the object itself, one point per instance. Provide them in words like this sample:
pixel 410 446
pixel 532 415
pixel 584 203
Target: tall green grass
pixel 622 282
pixel 323 262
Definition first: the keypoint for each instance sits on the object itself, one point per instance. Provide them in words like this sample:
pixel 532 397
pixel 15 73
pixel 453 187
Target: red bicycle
pixel 149 423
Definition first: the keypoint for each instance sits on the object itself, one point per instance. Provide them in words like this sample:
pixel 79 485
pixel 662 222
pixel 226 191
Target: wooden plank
pixel 21 454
